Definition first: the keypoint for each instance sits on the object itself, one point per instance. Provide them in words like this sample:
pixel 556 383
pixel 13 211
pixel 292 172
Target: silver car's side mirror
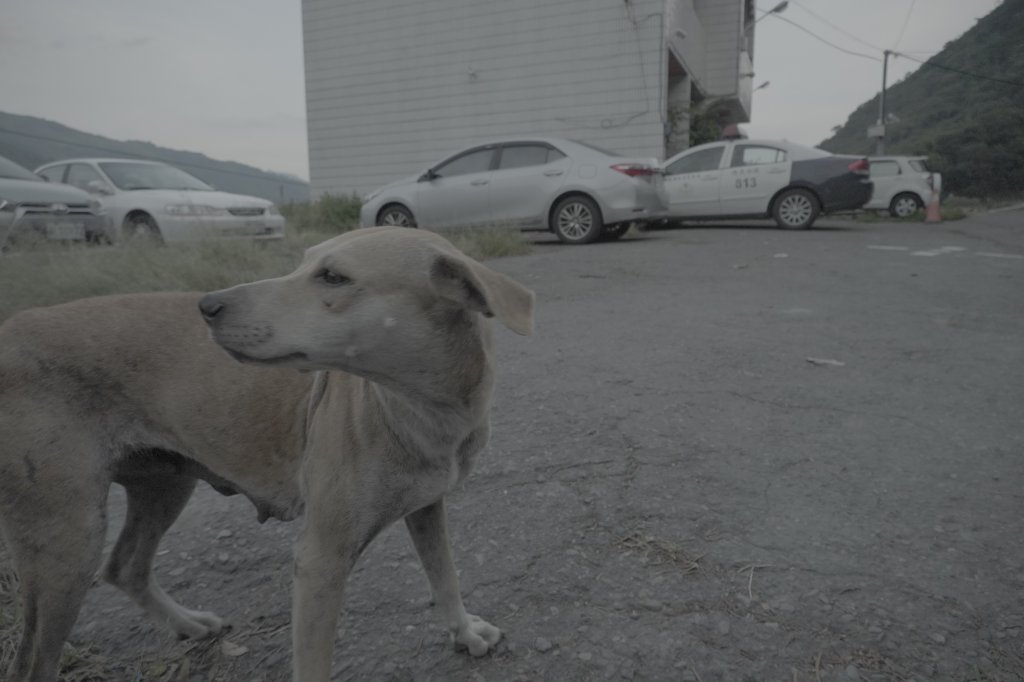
pixel 428 176
pixel 98 187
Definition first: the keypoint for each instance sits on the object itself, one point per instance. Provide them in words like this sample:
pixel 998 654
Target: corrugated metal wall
pixel 393 85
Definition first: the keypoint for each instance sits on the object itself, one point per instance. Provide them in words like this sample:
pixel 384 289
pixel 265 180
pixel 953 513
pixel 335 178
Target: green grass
pixel 329 213
pixel 949 213
pixel 50 275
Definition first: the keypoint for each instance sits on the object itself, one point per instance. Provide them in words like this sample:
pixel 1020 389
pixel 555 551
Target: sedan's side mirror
pixel 428 176
pixel 98 187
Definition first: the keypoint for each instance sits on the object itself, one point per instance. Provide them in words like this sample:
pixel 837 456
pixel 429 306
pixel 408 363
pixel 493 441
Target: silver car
pixel 579 192
pixel 157 201
pixel 31 208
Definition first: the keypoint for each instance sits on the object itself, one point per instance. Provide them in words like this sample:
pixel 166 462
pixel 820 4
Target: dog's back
pixel 140 372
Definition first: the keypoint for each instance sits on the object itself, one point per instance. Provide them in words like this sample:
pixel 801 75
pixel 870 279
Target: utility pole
pixel 880 144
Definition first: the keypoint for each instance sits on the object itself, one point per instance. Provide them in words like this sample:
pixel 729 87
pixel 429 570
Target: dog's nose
pixel 210 306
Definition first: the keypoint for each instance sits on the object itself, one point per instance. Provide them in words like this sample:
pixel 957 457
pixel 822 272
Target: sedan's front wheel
pixel 795 209
pixel 141 228
pixel 577 220
pixel 396 216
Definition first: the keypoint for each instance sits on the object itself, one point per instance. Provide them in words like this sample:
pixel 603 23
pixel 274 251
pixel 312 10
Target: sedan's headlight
pixel 273 210
pixel 96 207
pixel 372 195
pixel 194 210
pixel 8 206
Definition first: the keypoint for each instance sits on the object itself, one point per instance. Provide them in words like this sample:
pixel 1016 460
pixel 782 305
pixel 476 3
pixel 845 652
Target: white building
pixel 394 85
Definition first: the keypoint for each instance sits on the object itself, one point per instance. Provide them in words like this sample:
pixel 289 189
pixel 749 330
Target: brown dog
pixel 130 389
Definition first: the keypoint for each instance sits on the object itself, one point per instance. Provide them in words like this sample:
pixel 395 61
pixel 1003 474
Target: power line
pixel 906 21
pixel 838 28
pixel 121 153
pixel 830 44
pixel 935 65
pixel 897 54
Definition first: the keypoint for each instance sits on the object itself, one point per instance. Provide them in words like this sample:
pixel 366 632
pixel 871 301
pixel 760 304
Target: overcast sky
pixel 226 78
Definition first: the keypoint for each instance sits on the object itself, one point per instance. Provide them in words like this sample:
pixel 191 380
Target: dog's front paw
pixel 477 635
pixel 189 624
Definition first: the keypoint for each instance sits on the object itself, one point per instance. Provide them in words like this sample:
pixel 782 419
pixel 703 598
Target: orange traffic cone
pixel 932 213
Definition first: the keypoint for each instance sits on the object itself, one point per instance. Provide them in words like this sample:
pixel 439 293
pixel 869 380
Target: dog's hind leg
pixel 54 523
pixel 154 502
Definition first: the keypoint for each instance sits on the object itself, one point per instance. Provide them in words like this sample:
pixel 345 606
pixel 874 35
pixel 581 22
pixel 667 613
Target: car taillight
pixel 635 170
pixel 860 166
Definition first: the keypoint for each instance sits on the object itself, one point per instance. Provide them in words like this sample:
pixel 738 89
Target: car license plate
pixel 65 230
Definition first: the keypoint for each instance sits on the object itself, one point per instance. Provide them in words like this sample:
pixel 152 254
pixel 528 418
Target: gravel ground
pixel 728 453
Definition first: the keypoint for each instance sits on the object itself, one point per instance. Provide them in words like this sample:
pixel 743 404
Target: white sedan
pixel 742 178
pixel 578 191
pixel 158 201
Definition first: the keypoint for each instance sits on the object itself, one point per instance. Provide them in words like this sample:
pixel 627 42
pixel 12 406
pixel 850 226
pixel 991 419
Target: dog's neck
pixel 440 409
pixel 435 417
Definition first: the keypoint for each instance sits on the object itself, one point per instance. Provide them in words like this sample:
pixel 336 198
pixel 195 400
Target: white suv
pixel 902 184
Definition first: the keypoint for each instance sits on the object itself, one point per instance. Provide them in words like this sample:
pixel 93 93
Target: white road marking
pixel 939 251
pixel 882 247
pixel 999 255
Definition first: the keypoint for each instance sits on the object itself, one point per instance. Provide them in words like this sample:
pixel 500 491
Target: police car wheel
pixel 795 209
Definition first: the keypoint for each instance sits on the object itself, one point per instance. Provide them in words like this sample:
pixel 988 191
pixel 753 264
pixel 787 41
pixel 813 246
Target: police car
pixel 749 178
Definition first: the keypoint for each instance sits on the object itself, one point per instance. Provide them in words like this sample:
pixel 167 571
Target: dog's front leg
pixel 429 530
pixel 323 560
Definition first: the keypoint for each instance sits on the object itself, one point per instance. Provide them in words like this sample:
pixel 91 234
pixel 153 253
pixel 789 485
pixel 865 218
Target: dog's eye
pixel 331 278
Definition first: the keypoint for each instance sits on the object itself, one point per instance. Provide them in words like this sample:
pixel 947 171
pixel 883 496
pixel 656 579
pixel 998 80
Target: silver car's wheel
pixel 396 216
pixel 904 205
pixel 577 220
pixel 795 209
pixel 140 227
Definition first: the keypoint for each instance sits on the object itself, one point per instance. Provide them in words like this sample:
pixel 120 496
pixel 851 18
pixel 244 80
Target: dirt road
pixel 729 453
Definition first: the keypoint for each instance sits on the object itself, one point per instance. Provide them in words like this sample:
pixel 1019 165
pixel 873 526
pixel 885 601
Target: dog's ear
pixel 466 282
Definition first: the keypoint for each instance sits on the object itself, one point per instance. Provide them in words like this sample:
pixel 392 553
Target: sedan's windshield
pixel 128 176
pixel 9 169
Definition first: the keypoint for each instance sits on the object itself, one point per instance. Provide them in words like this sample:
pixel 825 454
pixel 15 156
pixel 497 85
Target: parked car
pixel 579 192
pixel 30 208
pixel 744 178
pixel 902 184
pixel 162 202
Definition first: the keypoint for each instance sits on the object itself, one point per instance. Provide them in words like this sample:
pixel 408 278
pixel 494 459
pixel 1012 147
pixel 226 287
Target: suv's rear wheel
pixel 905 205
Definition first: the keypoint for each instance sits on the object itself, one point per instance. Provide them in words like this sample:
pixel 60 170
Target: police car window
pixel 752 155
pixel 473 162
pixel 697 162
pixel 884 169
pixel 523 155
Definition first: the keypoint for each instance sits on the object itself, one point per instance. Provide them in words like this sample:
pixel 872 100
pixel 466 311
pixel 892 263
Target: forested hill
pixel 971 128
pixel 32 141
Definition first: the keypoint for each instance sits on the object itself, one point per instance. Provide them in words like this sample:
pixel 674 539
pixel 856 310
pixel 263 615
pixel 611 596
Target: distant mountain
pixel 972 129
pixel 32 141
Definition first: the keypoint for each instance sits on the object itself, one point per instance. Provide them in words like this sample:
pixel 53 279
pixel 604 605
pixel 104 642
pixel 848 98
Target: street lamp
pixel 778 9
